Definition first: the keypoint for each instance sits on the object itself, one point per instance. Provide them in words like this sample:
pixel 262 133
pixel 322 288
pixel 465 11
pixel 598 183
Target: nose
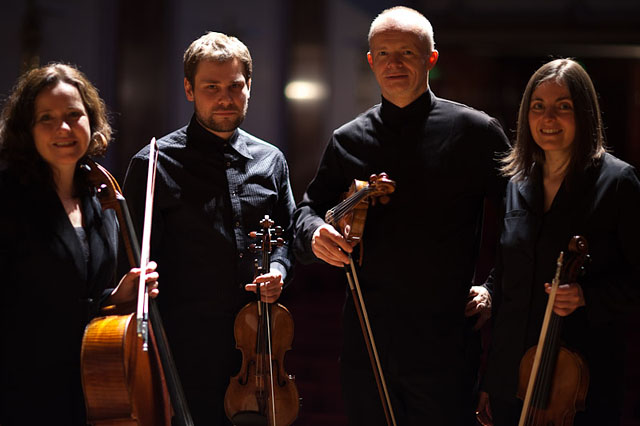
pixel 224 97
pixel 395 60
pixel 549 113
pixel 64 126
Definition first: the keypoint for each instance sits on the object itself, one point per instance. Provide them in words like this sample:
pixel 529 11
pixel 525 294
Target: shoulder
pixel 614 171
pixel 173 140
pixel 358 124
pixel 258 147
pixel 463 113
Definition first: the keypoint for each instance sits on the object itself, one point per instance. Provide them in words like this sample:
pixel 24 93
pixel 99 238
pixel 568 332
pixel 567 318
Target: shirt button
pixel 240 255
pixel 228 163
pixel 237 224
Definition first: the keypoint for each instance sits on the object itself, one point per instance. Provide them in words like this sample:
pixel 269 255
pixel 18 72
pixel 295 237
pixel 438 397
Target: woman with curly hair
pixel 57 246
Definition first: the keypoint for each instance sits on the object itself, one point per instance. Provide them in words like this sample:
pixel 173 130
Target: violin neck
pixel 348 204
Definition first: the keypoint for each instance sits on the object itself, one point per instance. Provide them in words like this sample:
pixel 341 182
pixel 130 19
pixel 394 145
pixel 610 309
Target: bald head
pixel 404 19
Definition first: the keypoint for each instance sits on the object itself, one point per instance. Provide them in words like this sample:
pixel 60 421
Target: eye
pixel 536 106
pixel 408 52
pixel 44 118
pixel 565 106
pixel 237 86
pixel 76 114
pixel 382 53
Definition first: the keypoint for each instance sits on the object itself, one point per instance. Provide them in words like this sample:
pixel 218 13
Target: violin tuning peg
pixel 278 230
pixel 253 234
pixel 279 242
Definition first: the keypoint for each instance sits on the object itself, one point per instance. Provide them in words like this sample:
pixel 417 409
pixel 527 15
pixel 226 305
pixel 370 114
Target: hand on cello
pixel 569 297
pixel 270 286
pixel 127 289
pixel 483 410
pixel 479 302
pixel 328 245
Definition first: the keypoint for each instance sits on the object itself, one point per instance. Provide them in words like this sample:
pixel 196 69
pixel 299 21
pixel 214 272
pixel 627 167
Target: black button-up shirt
pixel 210 193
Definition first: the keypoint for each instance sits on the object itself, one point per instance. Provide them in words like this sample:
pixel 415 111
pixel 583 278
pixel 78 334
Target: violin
pixel 128 379
pixel 262 393
pixel 553 380
pixel 349 217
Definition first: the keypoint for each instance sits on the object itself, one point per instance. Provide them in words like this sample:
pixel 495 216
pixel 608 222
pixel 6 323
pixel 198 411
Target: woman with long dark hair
pixel 564 183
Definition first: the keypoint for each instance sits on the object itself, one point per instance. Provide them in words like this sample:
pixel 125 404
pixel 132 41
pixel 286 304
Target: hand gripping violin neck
pixel 553 379
pixel 262 393
pixel 349 218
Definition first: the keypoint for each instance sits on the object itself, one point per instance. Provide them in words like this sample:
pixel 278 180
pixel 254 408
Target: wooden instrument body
pixel 568 388
pixel 123 385
pixel 553 380
pixel 244 391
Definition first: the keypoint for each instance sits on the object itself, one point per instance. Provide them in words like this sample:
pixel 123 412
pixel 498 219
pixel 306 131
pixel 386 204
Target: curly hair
pixel 589 143
pixel 17 146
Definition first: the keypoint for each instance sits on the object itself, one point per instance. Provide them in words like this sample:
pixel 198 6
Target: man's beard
pixel 221 125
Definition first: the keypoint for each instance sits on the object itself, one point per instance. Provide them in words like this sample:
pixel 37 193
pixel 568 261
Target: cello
pixel 349 217
pixel 262 393
pixel 128 373
pixel 553 380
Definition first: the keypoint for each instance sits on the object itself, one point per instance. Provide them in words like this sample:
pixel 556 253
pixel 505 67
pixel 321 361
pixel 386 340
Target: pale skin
pixel 61 134
pixel 220 94
pixel 552 123
pixel 401 62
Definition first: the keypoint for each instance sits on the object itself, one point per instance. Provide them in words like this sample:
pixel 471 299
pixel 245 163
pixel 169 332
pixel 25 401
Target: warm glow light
pixel 304 90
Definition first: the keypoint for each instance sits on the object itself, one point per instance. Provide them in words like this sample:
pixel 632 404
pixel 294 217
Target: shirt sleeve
pixel 618 291
pixel 323 193
pixel 283 215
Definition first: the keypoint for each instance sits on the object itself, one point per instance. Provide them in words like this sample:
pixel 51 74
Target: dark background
pixel 132 51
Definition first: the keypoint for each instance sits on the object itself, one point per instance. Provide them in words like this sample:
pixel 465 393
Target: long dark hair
pixel 17 147
pixel 589 143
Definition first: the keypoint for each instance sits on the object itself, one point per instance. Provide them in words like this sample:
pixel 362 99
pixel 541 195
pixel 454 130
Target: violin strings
pixel 269 356
pixel 348 204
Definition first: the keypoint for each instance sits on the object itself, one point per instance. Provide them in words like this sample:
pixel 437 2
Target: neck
pixel 556 165
pixel 64 181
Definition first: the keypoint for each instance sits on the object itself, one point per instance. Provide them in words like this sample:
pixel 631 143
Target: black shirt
pixel 420 248
pixel 210 193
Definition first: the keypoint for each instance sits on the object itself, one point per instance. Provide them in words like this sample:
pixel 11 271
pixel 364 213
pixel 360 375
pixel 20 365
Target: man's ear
pixel 188 90
pixel 433 58
pixel 249 88
pixel 370 59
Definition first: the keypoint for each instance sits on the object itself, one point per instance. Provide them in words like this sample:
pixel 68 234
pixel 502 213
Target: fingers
pixel 328 245
pixel 270 286
pixel 569 297
pixel 483 410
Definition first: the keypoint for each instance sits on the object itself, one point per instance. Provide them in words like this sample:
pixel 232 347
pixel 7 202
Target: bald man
pixel 420 249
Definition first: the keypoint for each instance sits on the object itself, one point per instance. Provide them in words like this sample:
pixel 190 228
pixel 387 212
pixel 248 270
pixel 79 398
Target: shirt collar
pixel 203 140
pixel 414 112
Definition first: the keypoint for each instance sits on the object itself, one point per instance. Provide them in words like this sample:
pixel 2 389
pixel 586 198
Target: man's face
pixel 220 94
pixel 401 64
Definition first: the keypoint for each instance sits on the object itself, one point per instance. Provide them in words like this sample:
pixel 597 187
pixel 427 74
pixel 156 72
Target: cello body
pixel 123 385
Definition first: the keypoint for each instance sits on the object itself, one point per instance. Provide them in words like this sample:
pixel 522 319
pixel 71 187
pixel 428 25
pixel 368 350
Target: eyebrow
pixel 557 99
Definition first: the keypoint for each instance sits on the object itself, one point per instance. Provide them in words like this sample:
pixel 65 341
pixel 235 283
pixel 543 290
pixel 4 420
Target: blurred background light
pixel 301 90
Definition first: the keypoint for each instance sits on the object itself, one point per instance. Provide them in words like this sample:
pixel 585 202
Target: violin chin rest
pixel 249 418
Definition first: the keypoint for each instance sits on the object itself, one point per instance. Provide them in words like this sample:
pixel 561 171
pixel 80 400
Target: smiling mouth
pixel 64 144
pixel 550 131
